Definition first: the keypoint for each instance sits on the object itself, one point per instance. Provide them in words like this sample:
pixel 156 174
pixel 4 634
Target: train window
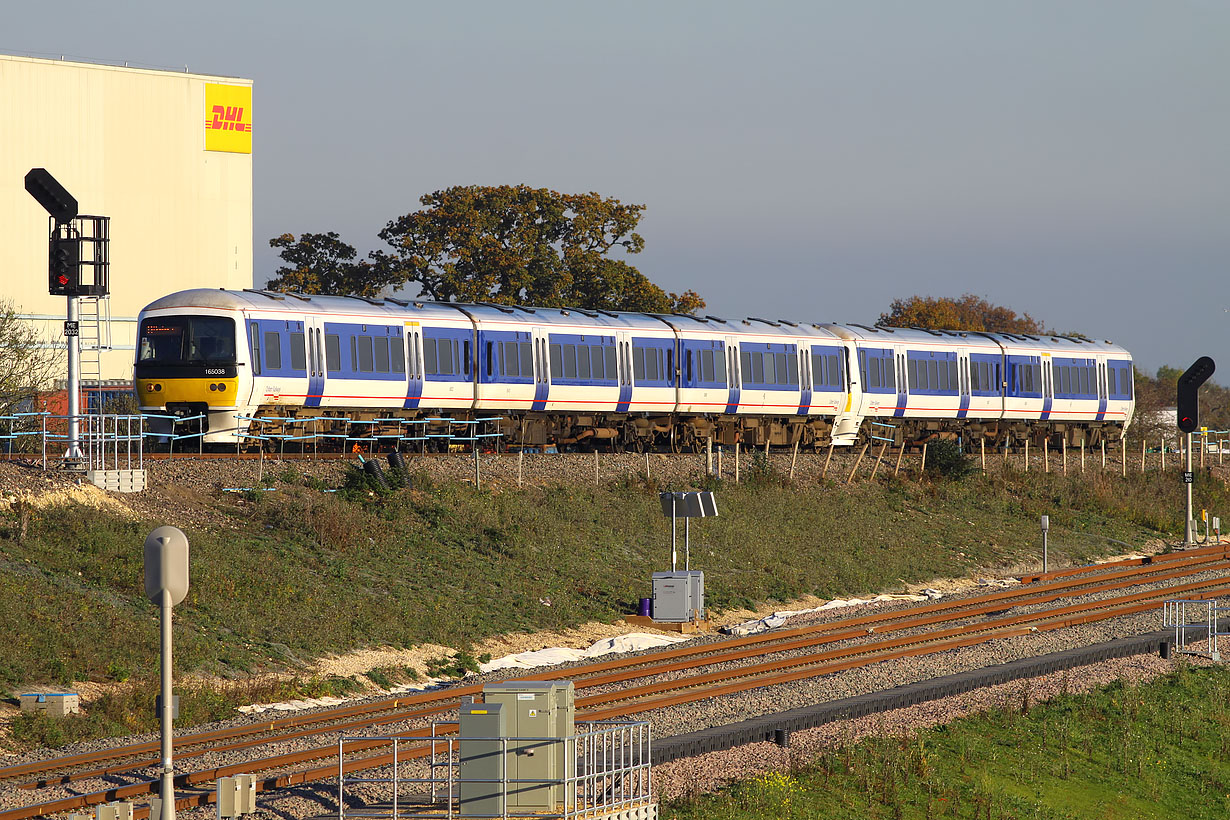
pixel 366 363
pixel 583 360
pixel 609 357
pixel 719 366
pixel 639 355
pixel 254 334
pixel 557 360
pixel 779 368
pixel 446 356
pixel 954 383
pixel 1111 386
pixel 792 370
pixel 354 355
pixel 706 365
pixel 687 367
pixel 381 349
pixel 273 350
pixel 397 355
pixel 509 362
pixel 429 357
pixel 570 361
pixel 837 366
pixel 1083 374
pixel 490 359
pixel 527 359
pixel 596 361
pixel 745 360
pixel 465 358
pixel 298 353
pixel 333 352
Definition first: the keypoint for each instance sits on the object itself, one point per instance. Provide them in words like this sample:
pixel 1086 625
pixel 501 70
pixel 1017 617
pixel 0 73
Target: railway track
pixel 634 685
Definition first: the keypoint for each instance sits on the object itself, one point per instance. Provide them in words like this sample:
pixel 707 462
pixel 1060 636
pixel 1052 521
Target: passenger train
pixel 320 364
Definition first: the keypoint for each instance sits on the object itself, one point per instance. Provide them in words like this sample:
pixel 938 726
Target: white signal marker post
pixel 1046 525
pixel 166 584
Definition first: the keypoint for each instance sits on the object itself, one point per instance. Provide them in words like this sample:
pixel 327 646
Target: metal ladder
pixel 94 313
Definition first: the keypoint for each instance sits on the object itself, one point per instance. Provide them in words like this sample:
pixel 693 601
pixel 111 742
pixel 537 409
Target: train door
pixel 963 387
pixel 413 341
pixel 849 415
pixel 542 369
pixel 903 396
pixel 316 366
pixel 805 384
pixel 1103 392
pixel 623 349
pixel 733 378
pixel 1048 386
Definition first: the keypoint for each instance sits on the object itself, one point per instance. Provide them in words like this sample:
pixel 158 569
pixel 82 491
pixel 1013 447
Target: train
pixel 218 362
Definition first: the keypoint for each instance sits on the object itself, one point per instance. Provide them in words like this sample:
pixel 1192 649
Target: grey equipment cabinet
pixel 536 709
pixel 481 787
pixel 678 597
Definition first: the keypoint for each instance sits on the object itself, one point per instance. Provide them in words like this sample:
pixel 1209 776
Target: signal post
pixel 1187 416
pixel 71 236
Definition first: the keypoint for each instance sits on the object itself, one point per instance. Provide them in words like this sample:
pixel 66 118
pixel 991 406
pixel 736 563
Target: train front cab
pixel 191 375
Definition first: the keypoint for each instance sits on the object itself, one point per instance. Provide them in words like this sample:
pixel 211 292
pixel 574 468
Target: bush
pixel 945 459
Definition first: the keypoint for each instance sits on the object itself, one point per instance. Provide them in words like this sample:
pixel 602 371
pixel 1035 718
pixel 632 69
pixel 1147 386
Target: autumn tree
pixel 322 263
pixel 27 365
pixel 520 245
pixel 968 312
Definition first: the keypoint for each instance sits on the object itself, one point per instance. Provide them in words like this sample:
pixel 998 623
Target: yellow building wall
pixel 130 144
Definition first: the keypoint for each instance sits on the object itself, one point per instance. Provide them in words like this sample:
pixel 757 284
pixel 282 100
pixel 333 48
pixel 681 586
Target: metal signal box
pixel 678 597
pixel 540 715
pixel 236 795
pixel 480 753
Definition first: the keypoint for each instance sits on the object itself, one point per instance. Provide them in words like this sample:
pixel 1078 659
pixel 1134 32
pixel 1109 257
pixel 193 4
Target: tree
pixel 520 245
pixel 968 312
pixel 322 263
pixel 27 365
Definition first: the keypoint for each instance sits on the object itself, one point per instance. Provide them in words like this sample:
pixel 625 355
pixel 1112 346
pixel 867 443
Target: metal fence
pixel 607 774
pixel 1201 618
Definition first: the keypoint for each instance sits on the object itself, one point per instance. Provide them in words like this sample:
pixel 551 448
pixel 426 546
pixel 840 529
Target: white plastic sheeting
pixel 779 618
pixel 633 642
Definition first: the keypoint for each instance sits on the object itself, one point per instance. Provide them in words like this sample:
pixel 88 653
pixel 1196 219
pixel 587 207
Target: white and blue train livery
pixel 635 380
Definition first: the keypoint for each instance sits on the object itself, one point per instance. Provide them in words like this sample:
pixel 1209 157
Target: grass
pixel 307 573
pixel 1159 750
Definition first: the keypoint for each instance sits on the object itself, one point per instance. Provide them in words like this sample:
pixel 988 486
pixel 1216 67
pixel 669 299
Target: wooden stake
pixel 736 462
pixel 1142 455
pixel 1082 455
pixel 646 468
pixel 1046 454
pixel 827 458
pixel 1163 455
pixel 595 466
pixel 793 458
pixel 1027 455
pixel 982 452
pixel 858 461
pixel 709 455
pixel 922 467
pixel 876 466
pixel 520 461
pixel 900 455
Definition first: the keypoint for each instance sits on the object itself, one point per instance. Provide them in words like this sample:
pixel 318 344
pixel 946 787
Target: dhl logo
pixel 228 118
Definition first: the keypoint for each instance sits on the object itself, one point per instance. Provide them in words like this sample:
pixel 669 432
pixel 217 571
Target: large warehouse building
pixel 166 155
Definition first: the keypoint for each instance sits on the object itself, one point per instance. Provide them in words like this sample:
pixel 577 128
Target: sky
pixel 802 160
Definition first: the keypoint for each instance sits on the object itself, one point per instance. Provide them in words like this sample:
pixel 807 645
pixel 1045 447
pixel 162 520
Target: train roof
pixel 1049 342
pixel 397 309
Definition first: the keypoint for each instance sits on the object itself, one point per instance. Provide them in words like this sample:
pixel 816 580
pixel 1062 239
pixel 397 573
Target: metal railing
pixel 607 773
pixel 1201 617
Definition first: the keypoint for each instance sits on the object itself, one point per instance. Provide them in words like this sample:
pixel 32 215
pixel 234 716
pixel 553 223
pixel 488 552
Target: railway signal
pixel 1187 416
pixel 64 267
pixel 1187 404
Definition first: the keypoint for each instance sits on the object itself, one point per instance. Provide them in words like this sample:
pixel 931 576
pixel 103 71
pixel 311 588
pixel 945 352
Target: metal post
pixel 674 553
pixel 687 543
pixel 736 462
pixel 982 454
pixel 167 790
pixel 1187 525
pixel 74 384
